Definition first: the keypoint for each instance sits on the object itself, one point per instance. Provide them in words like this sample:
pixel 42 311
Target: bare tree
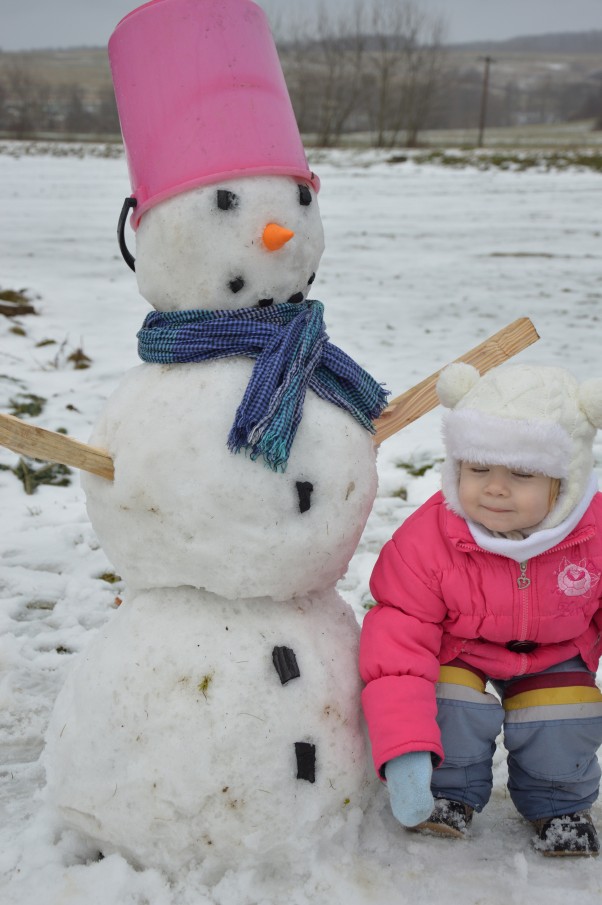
pixel 27 100
pixel 422 78
pixel 406 68
pixel 598 110
pixel 298 66
pixel 77 116
pixel 107 118
pixel 4 122
pixel 324 68
pixel 387 34
pixel 342 43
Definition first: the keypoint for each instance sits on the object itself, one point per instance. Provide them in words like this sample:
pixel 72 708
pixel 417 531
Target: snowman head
pixel 214 156
pixel 255 240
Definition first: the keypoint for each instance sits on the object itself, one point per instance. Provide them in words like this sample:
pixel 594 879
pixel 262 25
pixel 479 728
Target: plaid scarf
pixel 292 353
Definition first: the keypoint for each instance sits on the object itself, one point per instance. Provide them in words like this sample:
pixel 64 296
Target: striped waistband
pixel 545 690
pixel 552 688
pixel 457 672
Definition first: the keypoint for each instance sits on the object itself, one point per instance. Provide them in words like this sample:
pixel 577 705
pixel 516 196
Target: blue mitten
pixel 409 783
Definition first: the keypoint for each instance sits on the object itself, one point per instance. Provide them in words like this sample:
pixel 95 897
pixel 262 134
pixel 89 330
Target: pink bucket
pixel 201 98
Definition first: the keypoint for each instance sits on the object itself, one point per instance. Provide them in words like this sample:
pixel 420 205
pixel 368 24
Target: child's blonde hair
pixel 554 491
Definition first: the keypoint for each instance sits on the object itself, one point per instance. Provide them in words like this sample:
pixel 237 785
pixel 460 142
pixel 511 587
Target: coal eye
pixel 304 195
pixel 236 284
pixel 227 201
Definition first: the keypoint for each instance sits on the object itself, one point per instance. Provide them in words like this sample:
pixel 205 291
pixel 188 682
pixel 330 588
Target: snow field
pixel 421 264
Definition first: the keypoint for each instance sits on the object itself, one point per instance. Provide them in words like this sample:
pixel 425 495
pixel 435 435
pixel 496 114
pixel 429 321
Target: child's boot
pixel 449 818
pixel 568 835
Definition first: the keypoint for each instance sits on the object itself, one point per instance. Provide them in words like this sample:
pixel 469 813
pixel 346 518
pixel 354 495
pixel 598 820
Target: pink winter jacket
pixel 441 596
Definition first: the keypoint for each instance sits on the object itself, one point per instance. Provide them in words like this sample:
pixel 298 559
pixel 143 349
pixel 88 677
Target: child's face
pixel 503 500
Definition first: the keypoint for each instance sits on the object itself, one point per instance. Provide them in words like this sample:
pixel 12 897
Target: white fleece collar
pixel 539 541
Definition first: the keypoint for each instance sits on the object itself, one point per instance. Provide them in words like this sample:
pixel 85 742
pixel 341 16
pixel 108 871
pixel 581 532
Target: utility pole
pixel 484 93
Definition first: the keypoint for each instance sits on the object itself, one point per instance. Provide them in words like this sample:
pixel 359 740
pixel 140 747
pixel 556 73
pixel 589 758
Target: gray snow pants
pixel 552 724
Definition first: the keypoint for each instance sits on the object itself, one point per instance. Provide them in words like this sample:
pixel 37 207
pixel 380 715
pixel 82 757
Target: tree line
pixel 378 67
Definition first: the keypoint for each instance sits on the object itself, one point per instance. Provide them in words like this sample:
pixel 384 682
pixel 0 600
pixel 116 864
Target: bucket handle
pixel 128 204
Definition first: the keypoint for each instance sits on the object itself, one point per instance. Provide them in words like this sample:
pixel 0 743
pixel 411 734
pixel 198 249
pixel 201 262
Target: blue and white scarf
pixel 292 353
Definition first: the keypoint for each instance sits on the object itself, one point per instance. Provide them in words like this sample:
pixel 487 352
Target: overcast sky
pixel 26 24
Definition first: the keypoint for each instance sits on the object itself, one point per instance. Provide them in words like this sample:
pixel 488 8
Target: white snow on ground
pixel 421 264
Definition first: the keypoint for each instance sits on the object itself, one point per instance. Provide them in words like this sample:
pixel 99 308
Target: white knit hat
pixel 537 419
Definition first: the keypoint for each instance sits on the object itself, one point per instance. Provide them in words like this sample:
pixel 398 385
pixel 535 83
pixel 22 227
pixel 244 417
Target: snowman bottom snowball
pixel 190 729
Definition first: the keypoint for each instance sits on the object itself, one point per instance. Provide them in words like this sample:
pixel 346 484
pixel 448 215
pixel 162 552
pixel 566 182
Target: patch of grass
pixel 110 577
pixel 13 295
pixel 63 358
pixel 15 303
pixel 401 493
pixel 27 404
pixel 204 684
pixel 520 254
pixel 97 146
pixel 31 476
pixel 415 470
pixel 592 161
pixel 41 605
pixel 79 360
pixel 443 159
pixel 513 160
pixel 18 331
pixel 45 342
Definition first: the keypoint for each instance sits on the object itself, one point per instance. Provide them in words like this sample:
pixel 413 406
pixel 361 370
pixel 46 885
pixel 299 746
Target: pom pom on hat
pixel 455 381
pixel 590 400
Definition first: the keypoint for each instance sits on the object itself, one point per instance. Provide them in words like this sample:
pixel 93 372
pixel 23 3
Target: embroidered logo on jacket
pixel 577 579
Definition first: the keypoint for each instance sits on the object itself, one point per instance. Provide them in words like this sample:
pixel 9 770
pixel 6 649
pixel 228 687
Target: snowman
pixel 216 716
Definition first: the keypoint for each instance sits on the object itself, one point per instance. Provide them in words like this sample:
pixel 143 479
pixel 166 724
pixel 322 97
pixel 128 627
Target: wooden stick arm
pixel 50 446
pixel 422 398
pixel 40 443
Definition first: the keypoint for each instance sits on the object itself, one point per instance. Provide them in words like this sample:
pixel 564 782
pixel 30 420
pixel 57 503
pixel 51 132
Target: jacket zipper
pixel 523 581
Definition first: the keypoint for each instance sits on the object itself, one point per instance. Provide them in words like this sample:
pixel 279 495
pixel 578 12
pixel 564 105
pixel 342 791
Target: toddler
pixel 495 579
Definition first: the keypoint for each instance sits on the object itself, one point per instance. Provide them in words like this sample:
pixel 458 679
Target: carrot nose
pixel 275 236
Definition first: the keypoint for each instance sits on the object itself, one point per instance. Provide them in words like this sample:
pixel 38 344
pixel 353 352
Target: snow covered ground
pixel 421 264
